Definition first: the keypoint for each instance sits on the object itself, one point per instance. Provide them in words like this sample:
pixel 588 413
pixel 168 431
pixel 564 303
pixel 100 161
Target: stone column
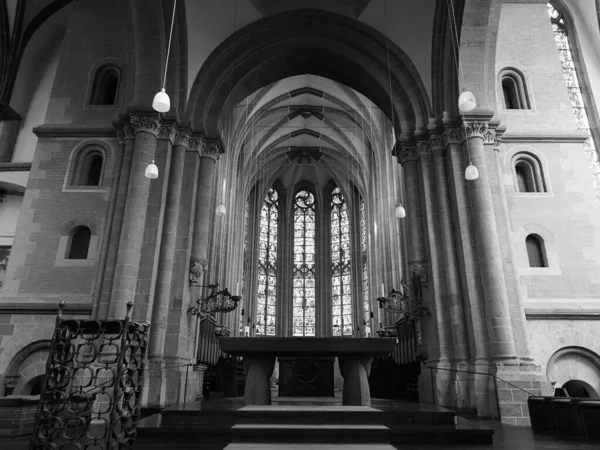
pixel 489 256
pixel 455 301
pixel 409 156
pixel 454 295
pixel 203 214
pixel 160 309
pixel 146 130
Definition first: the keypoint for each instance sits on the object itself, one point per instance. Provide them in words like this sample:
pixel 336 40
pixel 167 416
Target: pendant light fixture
pixel 400 212
pixel 151 171
pixel 161 102
pixel 466 100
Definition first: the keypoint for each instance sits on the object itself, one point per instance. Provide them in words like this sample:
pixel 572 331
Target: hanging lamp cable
pixel 458 63
pixel 169 45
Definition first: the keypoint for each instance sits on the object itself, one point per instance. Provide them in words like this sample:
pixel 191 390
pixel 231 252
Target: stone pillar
pixel 203 214
pixel 160 309
pixel 146 130
pixel 409 156
pixel 437 289
pixel 454 297
pixel 497 313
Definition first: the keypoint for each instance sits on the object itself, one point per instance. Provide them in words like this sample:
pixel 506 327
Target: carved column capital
pixel 424 148
pixel 183 139
pixel 419 270
pixel 475 128
pixel 453 136
pixel 127 132
pixel 11 381
pixel 438 143
pixel 211 150
pixel 197 268
pixel 406 153
pixel 497 142
pixel 147 124
pixel 167 132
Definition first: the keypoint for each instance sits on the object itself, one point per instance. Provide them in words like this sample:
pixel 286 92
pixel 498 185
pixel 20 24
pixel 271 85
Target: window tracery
pixel 365 268
pixel 266 298
pixel 303 319
pixel 341 277
pixel 561 37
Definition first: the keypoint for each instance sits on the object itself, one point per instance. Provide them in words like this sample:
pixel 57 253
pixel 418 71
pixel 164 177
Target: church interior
pixel 262 223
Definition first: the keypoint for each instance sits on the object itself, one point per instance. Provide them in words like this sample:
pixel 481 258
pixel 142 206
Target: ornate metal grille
pixel 341 276
pixel 304 323
pixel 267 265
pixel 577 103
pixel 91 393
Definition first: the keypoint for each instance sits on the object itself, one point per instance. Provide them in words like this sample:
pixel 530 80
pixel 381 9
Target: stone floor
pixel 506 437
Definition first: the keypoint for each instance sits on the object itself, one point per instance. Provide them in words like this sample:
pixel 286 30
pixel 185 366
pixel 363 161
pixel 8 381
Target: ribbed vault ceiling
pixel 308 128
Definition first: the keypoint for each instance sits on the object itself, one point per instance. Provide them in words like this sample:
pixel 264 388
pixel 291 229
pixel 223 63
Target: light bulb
pixel 471 173
pixel 151 171
pixel 221 210
pixel 161 102
pixel 466 102
pixel 400 212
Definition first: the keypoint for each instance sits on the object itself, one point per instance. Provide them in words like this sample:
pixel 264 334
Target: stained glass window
pixel 244 268
pixel 341 277
pixel 304 265
pixel 267 265
pixel 570 72
pixel 365 269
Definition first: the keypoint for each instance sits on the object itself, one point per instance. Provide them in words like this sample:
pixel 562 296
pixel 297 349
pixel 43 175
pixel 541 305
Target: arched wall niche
pixel 314 42
pixel 574 363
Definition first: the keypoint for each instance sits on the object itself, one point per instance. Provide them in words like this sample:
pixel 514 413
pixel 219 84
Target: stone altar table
pixel 355 356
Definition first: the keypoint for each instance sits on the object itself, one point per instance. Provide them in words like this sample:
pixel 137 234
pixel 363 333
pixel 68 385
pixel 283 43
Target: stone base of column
pixel 199 370
pixel 441 384
pixel 168 382
pixel 512 397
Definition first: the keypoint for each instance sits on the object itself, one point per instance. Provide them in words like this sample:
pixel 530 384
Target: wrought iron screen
pixel 93 385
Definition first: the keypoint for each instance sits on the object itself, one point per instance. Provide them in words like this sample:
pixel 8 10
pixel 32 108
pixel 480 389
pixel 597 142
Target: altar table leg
pixel 356 370
pixel 258 370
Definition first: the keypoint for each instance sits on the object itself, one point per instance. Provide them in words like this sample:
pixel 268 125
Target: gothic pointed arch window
pixel 365 267
pixel 570 70
pixel 304 295
pixel 341 277
pixel 266 298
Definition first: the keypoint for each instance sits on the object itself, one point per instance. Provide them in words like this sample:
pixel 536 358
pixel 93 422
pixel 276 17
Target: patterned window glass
pixel 340 265
pixel 304 265
pixel 365 269
pixel 566 59
pixel 267 265
pixel 244 267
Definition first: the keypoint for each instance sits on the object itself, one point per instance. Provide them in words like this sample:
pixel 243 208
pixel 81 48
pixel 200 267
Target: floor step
pixel 307 415
pixel 326 433
pixel 308 446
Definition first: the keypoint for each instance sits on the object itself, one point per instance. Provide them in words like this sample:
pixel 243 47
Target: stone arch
pixel 27 364
pixel 307 41
pixel 574 363
pixel 20 341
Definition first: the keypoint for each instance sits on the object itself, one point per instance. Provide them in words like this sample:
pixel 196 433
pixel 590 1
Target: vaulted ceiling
pixel 308 127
